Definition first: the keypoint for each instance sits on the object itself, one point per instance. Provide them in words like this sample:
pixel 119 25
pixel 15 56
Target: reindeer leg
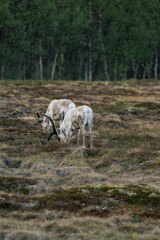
pixel 84 136
pixel 68 137
pixel 68 140
pixel 78 133
pixel 90 137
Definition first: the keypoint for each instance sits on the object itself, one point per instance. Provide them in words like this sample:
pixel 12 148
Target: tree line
pixel 88 40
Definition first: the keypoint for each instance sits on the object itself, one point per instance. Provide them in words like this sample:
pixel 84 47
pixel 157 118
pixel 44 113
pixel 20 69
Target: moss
pixel 103 188
pixel 7 122
pixel 15 184
pixel 132 139
pixel 143 195
pixel 90 152
pixel 3 138
pixel 55 95
pixel 50 226
pixel 104 164
pixel 67 229
pixel 117 107
pixel 148 105
pixel 74 199
pixel 71 200
pixel 151 165
pixel 99 201
pixel 136 218
pixel 24 190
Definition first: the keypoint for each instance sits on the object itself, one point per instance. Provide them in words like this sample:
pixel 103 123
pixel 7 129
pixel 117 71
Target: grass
pixel 108 192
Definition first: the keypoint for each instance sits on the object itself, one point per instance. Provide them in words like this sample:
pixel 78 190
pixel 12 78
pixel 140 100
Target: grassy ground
pixel 49 190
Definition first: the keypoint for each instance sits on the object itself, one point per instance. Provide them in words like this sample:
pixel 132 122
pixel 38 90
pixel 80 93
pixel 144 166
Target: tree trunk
pixel 103 48
pixel 54 66
pixel 33 68
pixel 105 60
pixel 35 72
pixel 115 67
pixel 116 56
pixel 40 68
pixel 136 71
pixel 90 46
pixel 23 68
pixel 148 69
pixel 86 70
pixel 144 71
pixel 2 70
pixel 124 73
pixel 156 66
pixel 79 65
pixel 37 69
pixel 90 61
pixel 23 71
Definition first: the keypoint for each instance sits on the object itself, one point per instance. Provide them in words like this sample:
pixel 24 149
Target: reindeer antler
pixel 54 128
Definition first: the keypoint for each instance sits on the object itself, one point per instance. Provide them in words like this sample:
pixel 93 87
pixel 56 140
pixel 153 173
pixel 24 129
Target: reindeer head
pixel 62 133
pixel 46 124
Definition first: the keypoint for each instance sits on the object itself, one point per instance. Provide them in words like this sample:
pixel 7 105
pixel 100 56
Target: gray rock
pixel 8 162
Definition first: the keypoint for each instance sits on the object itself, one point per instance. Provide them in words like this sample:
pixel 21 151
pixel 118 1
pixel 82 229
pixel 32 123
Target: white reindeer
pixel 76 119
pixel 56 110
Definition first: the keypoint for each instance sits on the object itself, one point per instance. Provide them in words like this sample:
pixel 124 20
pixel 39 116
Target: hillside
pixel 50 190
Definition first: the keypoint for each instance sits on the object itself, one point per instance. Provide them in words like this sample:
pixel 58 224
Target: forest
pixel 79 40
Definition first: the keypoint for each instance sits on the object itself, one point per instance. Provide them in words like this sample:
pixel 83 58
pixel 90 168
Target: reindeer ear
pixel 38 115
pixel 63 115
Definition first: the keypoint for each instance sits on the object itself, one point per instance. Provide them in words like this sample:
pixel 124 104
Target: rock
pixel 17 113
pixel 8 162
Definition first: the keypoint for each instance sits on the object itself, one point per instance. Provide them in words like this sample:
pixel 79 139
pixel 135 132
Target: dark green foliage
pixel 88 40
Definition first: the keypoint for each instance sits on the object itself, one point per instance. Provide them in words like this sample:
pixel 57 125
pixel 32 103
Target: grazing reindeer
pixel 76 119
pixel 56 110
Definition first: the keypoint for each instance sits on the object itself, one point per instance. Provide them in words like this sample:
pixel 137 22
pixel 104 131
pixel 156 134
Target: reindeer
pixel 56 110
pixel 75 120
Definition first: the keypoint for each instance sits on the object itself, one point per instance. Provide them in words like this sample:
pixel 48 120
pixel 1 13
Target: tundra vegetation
pixel 52 190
